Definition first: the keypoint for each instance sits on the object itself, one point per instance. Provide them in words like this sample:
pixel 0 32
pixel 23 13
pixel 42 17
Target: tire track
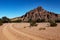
pixel 22 33
pixel 8 34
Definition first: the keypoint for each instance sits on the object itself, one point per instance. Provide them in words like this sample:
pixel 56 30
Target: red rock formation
pixel 39 13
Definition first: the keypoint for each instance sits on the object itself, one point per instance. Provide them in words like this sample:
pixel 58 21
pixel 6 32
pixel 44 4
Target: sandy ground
pixel 22 31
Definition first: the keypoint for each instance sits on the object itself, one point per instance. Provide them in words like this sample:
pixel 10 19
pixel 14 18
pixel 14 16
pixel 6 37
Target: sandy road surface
pixel 10 35
pixel 17 31
pixel 50 33
pixel 28 35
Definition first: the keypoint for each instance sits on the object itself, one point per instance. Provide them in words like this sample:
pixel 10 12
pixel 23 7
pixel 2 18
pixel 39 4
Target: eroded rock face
pixel 39 13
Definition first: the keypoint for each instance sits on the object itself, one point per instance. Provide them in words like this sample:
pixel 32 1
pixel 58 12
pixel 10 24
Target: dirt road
pixel 21 31
pixel 8 31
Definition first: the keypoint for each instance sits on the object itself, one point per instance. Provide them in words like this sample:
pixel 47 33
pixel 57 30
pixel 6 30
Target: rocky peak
pixel 39 13
pixel 39 8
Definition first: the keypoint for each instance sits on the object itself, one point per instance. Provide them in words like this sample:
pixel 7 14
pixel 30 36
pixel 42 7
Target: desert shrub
pixel 40 20
pixel 1 22
pixel 29 20
pixel 5 20
pixel 58 21
pixel 42 28
pixel 32 23
pixel 24 27
pixel 52 23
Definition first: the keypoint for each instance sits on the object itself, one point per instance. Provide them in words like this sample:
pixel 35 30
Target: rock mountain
pixel 38 14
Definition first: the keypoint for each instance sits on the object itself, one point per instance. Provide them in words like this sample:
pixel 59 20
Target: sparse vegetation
pixel 5 20
pixel 1 22
pixel 52 23
pixel 16 21
pixel 58 20
pixel 42 28
pixel 40 20
pixel 32 23
pixel 24 27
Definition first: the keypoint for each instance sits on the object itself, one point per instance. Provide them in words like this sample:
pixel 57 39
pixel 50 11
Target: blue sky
pixel 16 8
